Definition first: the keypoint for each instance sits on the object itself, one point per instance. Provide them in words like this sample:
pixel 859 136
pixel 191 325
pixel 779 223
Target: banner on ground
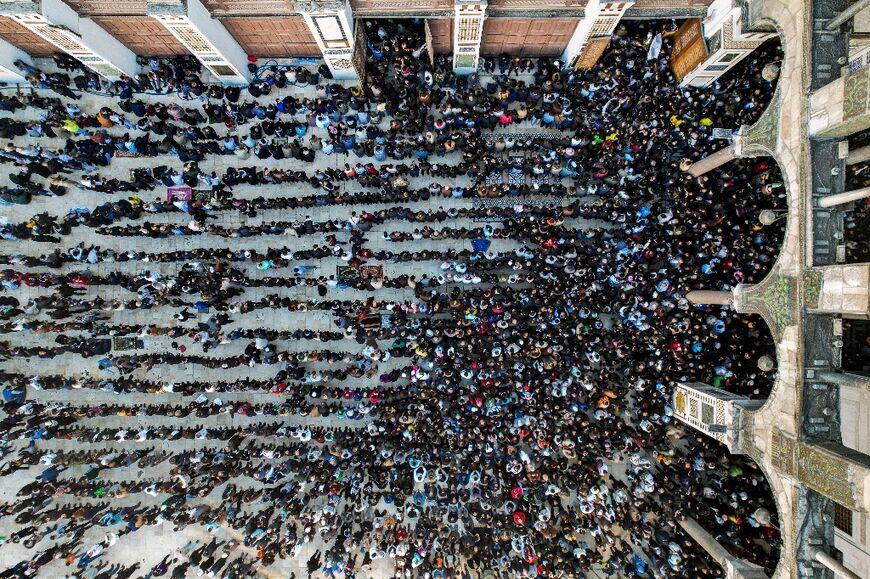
pixel 179 194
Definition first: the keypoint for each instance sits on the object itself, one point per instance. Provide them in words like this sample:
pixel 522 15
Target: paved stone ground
pixel 148 546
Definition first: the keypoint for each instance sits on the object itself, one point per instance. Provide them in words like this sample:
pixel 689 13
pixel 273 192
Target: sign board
pixel 720 133
pixel 593 50
pixel 179 194
pixel 690 49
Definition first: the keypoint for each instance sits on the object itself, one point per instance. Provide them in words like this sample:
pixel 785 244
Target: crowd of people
pixel 464 361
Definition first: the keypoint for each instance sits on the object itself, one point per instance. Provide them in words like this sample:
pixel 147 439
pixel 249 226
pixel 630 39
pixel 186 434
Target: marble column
pixel 707 297
pixel 845 197
pixel 843 379
pixel 859 155
pixel 711 162
pixel 847 14
pixel 734 568
pixel 838 568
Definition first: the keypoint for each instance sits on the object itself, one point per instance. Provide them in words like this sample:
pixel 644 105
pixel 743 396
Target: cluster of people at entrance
pixel 427 325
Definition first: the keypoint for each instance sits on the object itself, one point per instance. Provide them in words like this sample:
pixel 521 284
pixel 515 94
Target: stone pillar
pixel 831 115
pixel 9 73
pixel 843 379
pixel 859 155
pixel 707 297
pixel 847 14
pixel 831 469
pixel 711 162
pixel 734 568
pixel 205 37
pixel 845 197
pixel 81 38
pixel 592 34
pixel 332 25
pixel 838 568
pixel 840 289
pixel 468 18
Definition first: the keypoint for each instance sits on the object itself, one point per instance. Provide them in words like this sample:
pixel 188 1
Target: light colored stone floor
pixel 149 545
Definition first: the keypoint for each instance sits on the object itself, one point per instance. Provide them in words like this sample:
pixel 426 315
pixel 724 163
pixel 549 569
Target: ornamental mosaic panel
pixel 603 27
pixel 776 300
pixel 857 90
pixel 812 288
pixel 825 474
pixel 469 29
pixel 782 452
pixel 739 44
pixel 341 63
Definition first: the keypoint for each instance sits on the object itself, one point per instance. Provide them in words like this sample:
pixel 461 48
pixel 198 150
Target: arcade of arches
pixel 532 300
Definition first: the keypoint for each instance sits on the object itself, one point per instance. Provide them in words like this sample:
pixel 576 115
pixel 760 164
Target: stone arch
pixel 780 134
